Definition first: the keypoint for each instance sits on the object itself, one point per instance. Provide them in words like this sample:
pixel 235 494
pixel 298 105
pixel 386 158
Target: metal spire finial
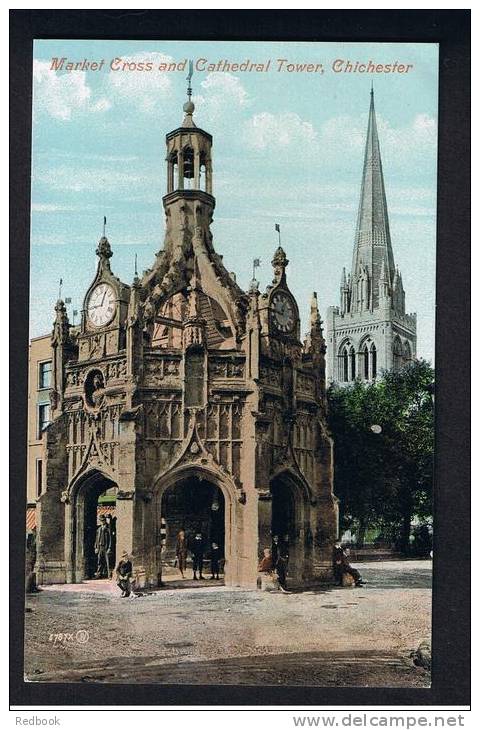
pixel 104 225
pixel 189 106
pixel 189 79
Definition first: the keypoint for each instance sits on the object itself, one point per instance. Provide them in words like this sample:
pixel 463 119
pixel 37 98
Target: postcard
pixel 231 371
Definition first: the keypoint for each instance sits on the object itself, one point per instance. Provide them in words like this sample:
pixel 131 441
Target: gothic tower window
pixel 188 166
pixel 344 364
pixel 366 362
pixel 353 373
pixel 172 181
pixel 373 358
pixel 397 354
pixel 407 352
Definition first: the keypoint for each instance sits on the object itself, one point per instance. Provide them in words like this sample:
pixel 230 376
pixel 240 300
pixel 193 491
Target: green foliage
pixel 385 478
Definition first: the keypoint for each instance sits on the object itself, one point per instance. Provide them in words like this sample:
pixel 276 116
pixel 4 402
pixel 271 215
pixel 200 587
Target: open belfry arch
pixel 182 388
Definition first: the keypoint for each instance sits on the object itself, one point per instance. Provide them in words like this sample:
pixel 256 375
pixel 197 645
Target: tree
pixel 384 476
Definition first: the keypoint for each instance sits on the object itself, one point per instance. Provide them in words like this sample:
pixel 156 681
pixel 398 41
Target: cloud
pixel 52 208
pixel 60 95
pixel 146 90
pixel 223 95
pixel 405 146
pixel 341 139
pixel 266 131
pixel 76 179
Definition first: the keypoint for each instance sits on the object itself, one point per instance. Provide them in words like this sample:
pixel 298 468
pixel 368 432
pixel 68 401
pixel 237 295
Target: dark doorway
pixel 283 510
pixel 193 505
pixel 97 503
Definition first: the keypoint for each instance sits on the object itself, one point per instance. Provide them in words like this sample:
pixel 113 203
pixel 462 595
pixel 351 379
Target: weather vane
pixel 189 79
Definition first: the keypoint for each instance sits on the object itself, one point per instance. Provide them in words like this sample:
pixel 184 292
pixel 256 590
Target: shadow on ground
pixel 324 669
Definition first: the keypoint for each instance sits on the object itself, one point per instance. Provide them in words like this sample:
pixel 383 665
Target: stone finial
pixel 61 326
pixel 279 263
pixel 104 250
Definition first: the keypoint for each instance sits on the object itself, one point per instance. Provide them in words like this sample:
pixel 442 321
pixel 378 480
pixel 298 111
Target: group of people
pixel 275 561
pixel 197 547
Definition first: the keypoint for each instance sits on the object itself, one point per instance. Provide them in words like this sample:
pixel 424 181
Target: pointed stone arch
pixel 208 473
pixel 291 502
pixel 81 500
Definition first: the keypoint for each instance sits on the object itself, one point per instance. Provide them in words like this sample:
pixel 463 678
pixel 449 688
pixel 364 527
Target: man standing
pixel 103 547
pixel 341 566
pixel 281 563
pixel 197 549
pixel 124 574
pixel 111 523
pixel 215 557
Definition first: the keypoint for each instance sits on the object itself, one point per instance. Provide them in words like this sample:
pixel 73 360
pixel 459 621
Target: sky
pixel 287 148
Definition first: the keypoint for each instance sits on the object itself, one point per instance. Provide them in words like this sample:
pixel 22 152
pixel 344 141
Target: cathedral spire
pixel 372 239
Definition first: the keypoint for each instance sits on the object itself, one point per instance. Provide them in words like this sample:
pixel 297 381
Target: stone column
pixel 180 170
pixel 170 177
pixel 208 175
pixel 69 566
pixel 264 521
pixel 196 170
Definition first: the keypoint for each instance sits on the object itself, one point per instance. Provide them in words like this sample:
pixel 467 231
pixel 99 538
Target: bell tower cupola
pixel 189 155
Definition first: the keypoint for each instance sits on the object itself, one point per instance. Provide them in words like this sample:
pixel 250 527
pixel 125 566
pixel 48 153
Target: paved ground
pixel 211 634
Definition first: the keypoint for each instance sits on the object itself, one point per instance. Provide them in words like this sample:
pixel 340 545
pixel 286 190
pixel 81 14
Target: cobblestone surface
pixel 211 634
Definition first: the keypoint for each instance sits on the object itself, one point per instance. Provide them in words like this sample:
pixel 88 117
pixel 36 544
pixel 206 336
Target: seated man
pixel 342 566
pixel 266 563
pixel 124 574
pixel 267 578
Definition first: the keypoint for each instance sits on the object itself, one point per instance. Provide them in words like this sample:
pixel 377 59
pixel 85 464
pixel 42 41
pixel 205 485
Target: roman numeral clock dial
pixel 283 313
pixel 101 305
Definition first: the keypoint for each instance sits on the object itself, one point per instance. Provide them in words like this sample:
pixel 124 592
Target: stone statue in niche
pixel 94 389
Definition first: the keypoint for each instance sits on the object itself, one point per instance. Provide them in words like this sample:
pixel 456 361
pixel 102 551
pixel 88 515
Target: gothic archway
pixel 291 521
pixel 195 506
pixel 196 499
pixel 93 501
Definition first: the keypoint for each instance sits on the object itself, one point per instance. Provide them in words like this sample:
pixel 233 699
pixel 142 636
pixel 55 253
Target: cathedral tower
pixel 370 331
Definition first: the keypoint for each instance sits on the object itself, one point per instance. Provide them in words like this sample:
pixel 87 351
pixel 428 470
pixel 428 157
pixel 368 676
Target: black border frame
pixel 451 590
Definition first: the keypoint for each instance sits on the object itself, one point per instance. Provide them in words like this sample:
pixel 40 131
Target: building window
pixel 43 418
pixel 38 477
pixel 397 354
pixel 45 375
pixel 344 364
pixel 353 371
pixel 366 373
pixel 373 357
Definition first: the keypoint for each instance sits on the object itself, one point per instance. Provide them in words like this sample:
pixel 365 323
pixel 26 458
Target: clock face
pixel 283 313
pixel 101 305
